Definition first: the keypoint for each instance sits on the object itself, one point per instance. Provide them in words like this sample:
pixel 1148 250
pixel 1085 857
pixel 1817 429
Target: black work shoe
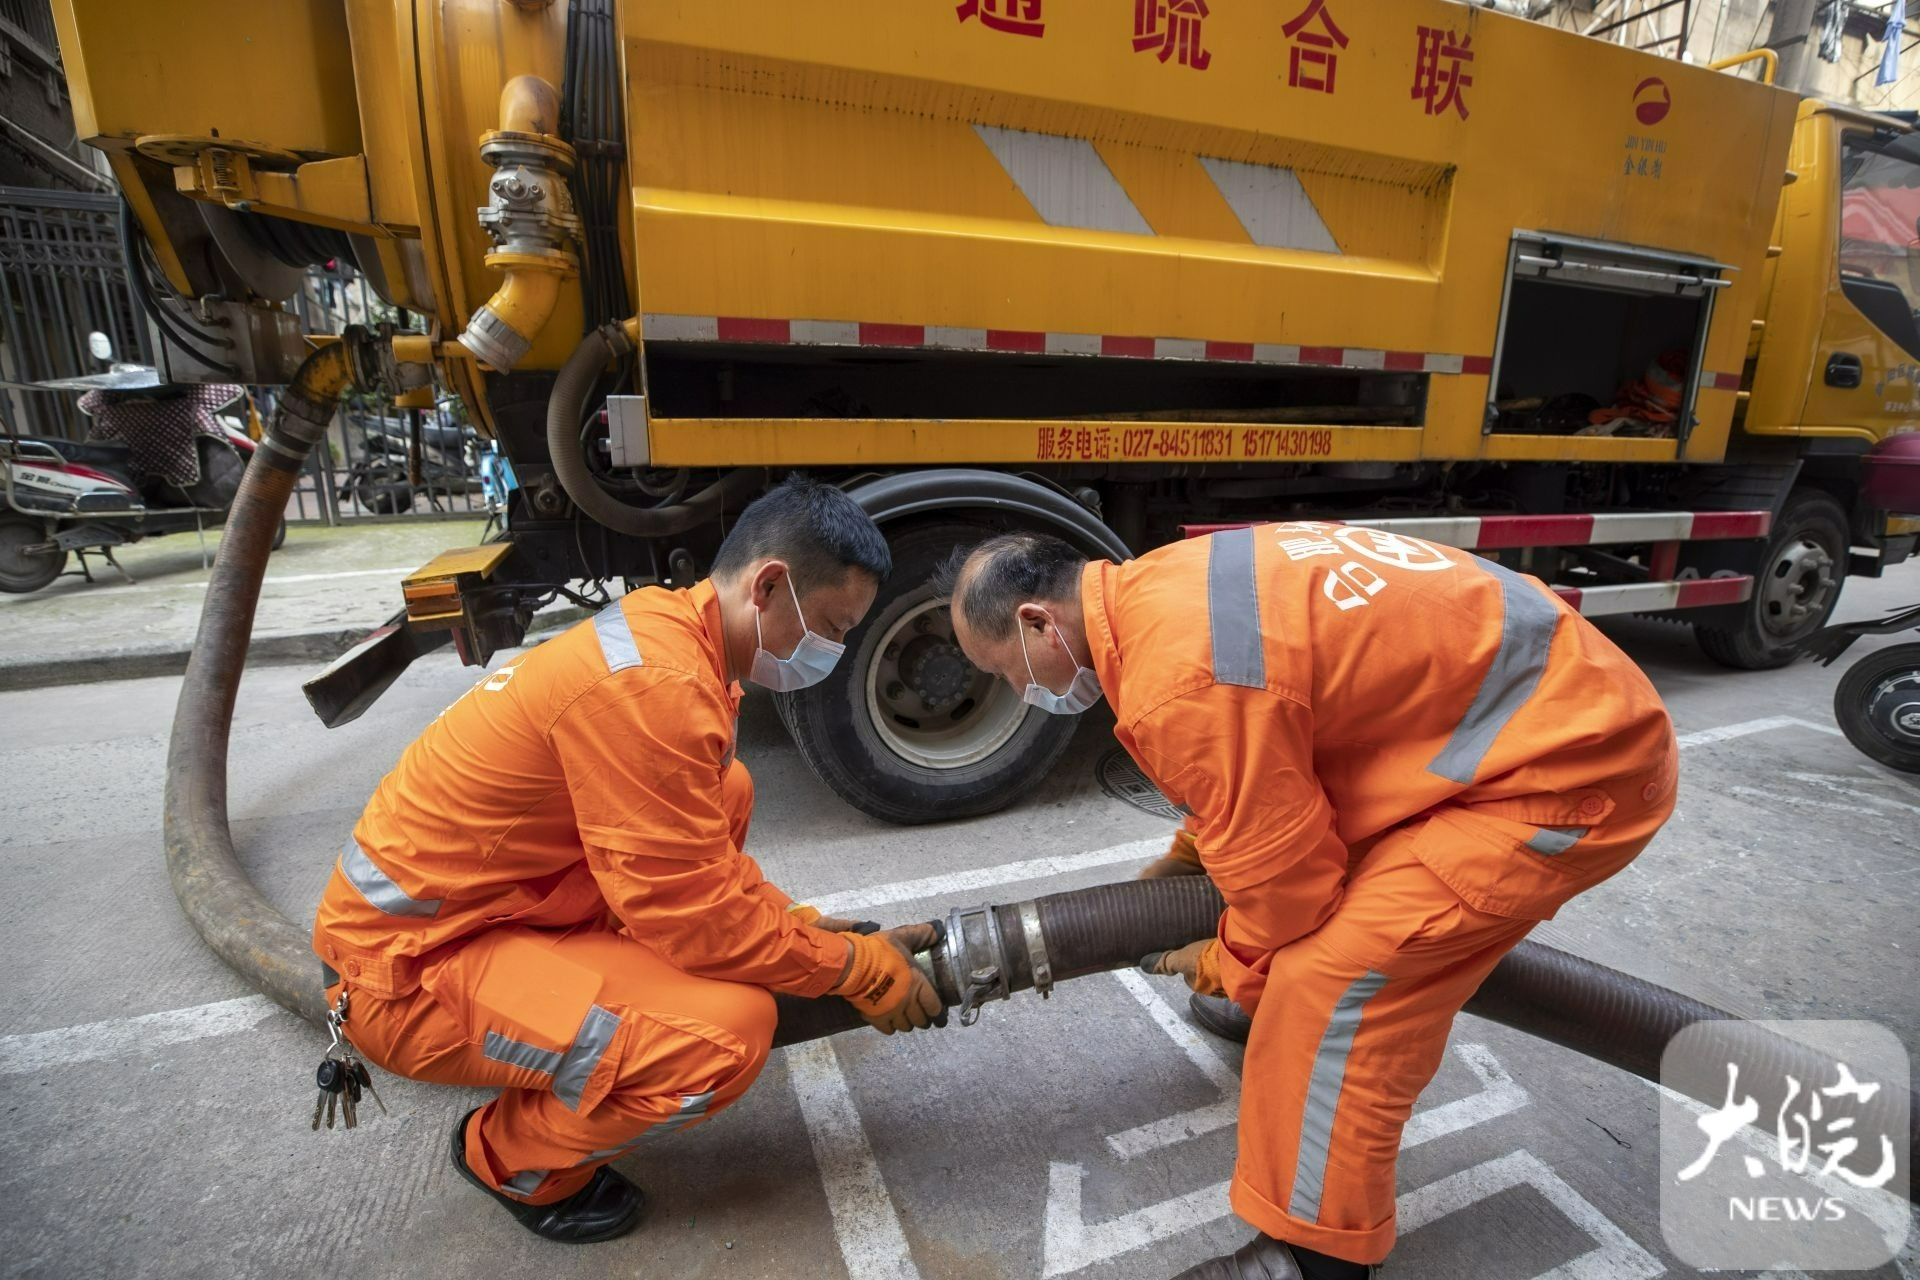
pixel 607 1207
pixel 1221 1016
pixel 1261 1258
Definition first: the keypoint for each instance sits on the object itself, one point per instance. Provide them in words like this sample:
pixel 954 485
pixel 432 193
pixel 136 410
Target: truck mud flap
pixel 353 681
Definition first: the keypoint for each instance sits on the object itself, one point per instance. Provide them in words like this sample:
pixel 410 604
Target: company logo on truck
pixel 1651 101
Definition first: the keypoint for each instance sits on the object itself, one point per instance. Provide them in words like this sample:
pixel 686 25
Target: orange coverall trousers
pixel 501 1009
pixel 1353 1024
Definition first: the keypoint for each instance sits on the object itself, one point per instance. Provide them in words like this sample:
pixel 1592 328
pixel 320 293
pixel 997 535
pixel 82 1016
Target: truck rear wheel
pixel 906 729
pixel 1796 583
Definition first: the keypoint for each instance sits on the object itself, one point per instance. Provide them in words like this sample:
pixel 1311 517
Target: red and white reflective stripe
pixel 1490 533
pixel 849 333
pixel 1652 597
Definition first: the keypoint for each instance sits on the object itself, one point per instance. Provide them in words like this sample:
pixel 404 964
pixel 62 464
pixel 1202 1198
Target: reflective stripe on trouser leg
pixel 570 1070
pixel 1555 840
pixel 1323 1095
pixel 617 643
pixel 1526 637
pixel 1233 610
pixel 526 1182
pixel 692 1107
pixel 378 888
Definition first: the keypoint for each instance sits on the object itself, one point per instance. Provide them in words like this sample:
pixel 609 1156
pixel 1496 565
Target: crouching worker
pixel 547 894
pixel 1398 758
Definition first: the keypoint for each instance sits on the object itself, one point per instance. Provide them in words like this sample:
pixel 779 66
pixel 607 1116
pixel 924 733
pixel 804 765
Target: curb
pixel 105 665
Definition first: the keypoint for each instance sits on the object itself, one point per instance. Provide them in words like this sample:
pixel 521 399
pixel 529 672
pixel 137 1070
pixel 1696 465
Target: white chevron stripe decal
pixel 1272 205
pixel 1065 180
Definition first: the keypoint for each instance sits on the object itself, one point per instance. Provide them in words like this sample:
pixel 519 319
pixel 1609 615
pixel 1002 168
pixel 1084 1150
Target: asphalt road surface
pixel 155 1111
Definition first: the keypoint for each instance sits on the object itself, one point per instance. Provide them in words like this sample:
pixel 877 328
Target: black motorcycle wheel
pixel 23 571
pixel 1878 706
pixel 381 491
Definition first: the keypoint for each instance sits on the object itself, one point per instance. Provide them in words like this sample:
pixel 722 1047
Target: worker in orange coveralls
pixel 1398 758
pixel 547 894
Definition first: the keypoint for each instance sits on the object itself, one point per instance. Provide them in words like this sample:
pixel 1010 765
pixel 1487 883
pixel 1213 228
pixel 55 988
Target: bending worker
pixel 547 894
pixel 1397 757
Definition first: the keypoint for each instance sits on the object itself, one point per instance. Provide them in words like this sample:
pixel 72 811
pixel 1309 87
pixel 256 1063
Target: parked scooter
pixel 1878 701
pixel 159 459
pixel 386 481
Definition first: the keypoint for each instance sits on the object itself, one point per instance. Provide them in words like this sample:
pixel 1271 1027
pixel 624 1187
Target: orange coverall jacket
pixel 584 781
pixel 1303 688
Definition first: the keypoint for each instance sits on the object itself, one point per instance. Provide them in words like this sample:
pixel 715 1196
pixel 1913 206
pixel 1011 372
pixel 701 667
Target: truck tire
pixel 1796 583
pixel 1878 706
pixel 906 729
pixel 23 571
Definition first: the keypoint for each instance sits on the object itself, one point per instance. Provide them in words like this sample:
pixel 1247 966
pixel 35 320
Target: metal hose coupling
pixel 530 217
pixel 378 361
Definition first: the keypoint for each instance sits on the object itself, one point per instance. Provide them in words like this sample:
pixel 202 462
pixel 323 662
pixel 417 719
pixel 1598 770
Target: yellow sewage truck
pixel 1119 271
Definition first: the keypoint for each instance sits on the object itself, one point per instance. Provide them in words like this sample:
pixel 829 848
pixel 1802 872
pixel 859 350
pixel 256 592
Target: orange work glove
pixel 1182 858
pixel 1197 962
pixel 811 917
pixel 883 983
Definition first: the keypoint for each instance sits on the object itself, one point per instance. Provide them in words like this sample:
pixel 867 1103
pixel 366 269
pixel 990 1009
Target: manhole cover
pixel 1121 778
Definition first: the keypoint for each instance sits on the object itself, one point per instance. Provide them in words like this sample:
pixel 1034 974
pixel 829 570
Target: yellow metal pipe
pixel 529 104
pixel 1767 56
pixel 532 247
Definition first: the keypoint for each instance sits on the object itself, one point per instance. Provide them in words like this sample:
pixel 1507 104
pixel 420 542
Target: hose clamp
pixel 1036 948
pixel 976 960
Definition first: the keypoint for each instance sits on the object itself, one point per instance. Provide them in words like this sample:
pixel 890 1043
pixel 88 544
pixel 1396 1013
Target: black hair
pixel 1004 573
pixel 816 528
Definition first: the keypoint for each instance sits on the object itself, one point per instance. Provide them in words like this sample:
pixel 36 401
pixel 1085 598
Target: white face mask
pixel 1081 694
pixel 809 663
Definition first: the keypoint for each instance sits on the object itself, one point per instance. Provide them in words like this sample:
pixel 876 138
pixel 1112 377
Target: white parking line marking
pixel 1617 1258
pixel 1498 1096
pixel 128 588
pixel 1071 1243
pixel 872 1244
pixel 116 1037
pixel 1203 1055
pixel 1701 737
pixel 880 895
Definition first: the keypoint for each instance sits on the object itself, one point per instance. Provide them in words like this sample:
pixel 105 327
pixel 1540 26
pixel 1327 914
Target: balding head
pixel 1016 606
pixel 989 582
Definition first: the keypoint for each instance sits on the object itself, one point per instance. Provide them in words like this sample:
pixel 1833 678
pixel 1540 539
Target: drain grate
pixel 1122 779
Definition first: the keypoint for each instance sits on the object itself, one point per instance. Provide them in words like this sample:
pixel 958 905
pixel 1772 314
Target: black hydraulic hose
pixel 234 917
pixel 568 400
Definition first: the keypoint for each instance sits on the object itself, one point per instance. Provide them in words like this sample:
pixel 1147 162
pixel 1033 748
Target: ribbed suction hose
pixel 990 952
pixel 237 921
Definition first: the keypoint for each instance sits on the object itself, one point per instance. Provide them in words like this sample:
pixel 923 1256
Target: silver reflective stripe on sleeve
pixel 577 1064
pixel 692 1107
pixel 378 888
pixel 518 1053
pixel 1526 634
pixel 1553 840
pixel 1323 1096
pixel 526 1182
pixel 617 644
pixel 1233 610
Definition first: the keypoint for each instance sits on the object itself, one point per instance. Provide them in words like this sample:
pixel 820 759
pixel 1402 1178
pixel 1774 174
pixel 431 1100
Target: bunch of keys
pixel 342 1077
